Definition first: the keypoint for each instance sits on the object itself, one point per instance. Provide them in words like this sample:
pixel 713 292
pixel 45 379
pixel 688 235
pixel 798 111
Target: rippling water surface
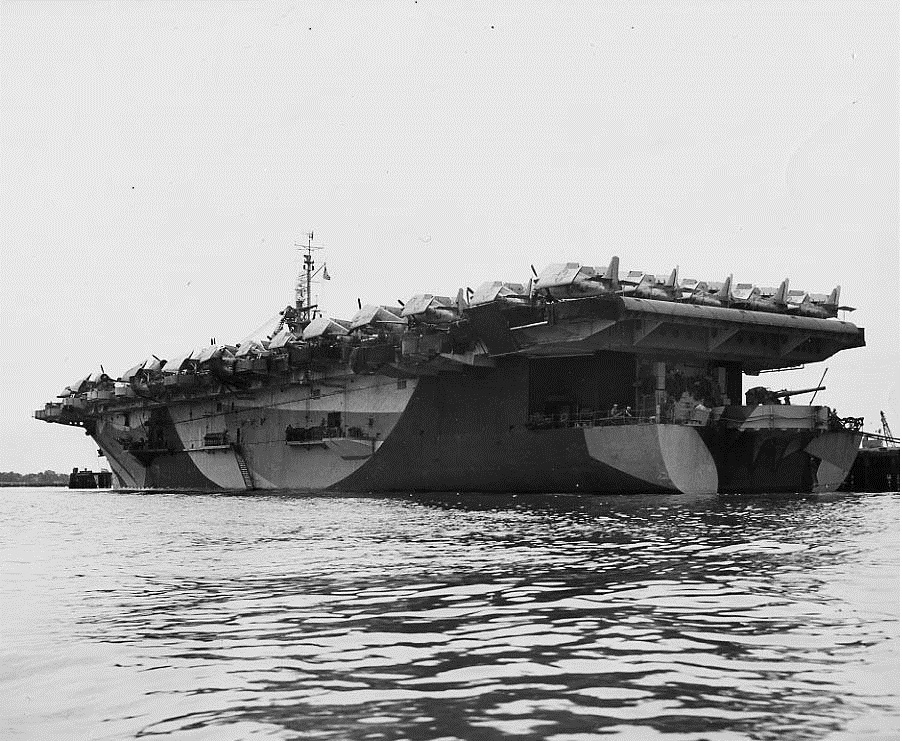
pixel 447 617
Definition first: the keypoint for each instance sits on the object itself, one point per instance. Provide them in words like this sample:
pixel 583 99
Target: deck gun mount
pixel 762 395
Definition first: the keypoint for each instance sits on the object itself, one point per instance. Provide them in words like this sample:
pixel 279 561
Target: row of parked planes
pixel 556 282
pixel 570 280
pixel 562 281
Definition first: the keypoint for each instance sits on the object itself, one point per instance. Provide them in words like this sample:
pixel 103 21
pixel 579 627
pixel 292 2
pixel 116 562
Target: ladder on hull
pixel 243 467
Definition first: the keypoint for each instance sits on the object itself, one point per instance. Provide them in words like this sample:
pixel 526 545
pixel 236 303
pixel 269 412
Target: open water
pixel 180 616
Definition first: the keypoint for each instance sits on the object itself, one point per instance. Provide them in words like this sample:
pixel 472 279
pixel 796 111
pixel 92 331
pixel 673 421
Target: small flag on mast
pixel 326 273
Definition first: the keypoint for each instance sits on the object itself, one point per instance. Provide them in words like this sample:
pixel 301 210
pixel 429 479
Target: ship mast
pixel 302 288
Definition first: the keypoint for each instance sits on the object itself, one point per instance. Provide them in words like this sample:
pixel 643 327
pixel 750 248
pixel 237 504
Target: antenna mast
pixel 302 289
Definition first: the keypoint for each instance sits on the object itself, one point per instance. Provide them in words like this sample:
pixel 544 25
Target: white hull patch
pixel 837 452
pixel 218 466
pixel 665 456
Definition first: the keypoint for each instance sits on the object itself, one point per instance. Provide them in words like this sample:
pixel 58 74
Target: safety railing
pixel 586 419
pixel 695 417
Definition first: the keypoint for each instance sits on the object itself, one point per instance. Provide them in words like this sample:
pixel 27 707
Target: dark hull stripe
pixel 168 471
pixel 460 433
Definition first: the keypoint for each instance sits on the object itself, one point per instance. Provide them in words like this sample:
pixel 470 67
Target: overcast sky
pixel 159 160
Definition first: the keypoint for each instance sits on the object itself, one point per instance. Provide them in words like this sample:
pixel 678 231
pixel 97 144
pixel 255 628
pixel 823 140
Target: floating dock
pixel 875 469
pixel 86 479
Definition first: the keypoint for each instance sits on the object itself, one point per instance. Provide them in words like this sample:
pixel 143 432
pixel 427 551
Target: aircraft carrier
pixel 582 379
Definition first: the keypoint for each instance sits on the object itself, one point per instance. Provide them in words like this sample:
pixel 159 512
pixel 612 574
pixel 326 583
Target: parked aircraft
pixel 429 309
pixel 656 287
pixel 708 294
pixel 751 297
pixel 573 280
pixel 496 290
pixel 819 305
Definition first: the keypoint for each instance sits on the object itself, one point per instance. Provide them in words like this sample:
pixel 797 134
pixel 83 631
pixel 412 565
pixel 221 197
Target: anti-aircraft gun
pixel 762 395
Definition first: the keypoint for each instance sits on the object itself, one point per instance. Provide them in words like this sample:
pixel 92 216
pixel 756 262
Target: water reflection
pixel 476 617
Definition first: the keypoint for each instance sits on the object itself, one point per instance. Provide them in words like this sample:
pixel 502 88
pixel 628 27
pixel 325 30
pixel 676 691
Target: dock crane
pixel 886 432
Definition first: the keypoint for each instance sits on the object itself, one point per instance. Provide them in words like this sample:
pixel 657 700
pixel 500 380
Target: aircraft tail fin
pixel 612 274
pixel 461 301
pixel 782 293
pixel 724 293
pixel 833 301
pixel 672 280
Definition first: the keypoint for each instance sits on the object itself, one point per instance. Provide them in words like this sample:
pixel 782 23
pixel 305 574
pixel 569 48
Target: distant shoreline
pixel 11 484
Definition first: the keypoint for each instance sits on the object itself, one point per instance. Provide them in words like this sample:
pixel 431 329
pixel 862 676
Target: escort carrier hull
pixel 507 389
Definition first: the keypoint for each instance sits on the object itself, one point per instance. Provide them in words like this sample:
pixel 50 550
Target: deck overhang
pixel 757 340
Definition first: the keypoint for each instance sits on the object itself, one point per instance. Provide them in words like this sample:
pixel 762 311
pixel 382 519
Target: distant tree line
pixel 47 478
